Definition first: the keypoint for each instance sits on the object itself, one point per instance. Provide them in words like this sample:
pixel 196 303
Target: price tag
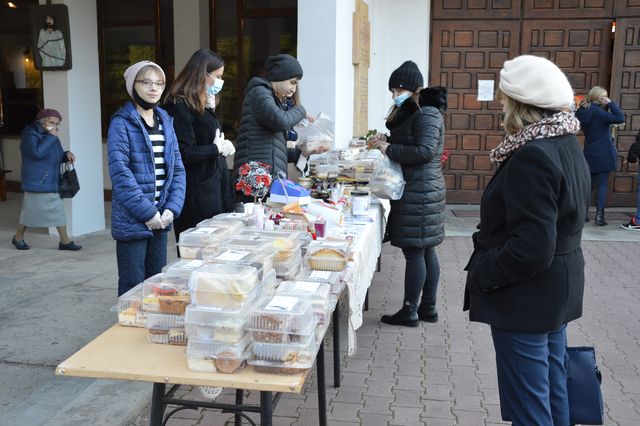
pixel 205 231
pixel 232 255
pixel 306 286
pixel 320 275
pixel 281 303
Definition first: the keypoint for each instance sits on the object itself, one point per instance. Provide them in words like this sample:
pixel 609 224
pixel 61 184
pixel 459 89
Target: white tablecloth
pixel 366 250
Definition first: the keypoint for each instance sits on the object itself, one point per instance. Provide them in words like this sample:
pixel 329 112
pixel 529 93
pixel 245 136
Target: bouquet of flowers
pixel 254 179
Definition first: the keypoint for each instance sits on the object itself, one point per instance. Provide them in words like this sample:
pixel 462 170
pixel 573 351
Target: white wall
pixel 76 94
pixel 190 29
pixel 399 32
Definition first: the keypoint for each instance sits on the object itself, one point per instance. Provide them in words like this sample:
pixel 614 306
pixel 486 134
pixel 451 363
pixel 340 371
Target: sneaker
pixel 20 244
pixel 633 224
pixel 69 246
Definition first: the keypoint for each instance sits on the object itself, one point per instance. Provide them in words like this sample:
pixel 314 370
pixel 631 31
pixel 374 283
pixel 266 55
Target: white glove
pixel 218 141
pixel 227 147
pixel 155 222
pixel 167 218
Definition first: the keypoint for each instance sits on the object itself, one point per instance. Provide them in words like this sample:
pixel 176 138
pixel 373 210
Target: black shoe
pixel 633 225
pixel 600 218
pixel 20 244
pixel 406 316
pixel 69 246
pixel 428 313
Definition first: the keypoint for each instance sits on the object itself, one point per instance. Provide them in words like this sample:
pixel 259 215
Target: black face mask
pixel 144 104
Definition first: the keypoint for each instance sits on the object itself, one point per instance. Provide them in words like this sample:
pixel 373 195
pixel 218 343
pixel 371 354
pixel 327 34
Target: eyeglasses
pixel 148 84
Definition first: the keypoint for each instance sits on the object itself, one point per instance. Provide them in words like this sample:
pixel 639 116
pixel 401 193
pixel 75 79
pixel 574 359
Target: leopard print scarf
pixel 558 124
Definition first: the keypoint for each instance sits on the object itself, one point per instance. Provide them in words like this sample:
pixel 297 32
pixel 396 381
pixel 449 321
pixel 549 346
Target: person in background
pixel 526 274
pixel 147 177
pixel 42 155
pixel 266 117
pixel 192 100
pixel 596 114
pixel 632 158
pixel 416 220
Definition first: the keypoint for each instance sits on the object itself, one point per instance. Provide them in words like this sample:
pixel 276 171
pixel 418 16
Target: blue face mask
pixel 399 100
pixel 216 87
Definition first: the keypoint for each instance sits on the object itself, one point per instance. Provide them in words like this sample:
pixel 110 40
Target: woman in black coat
pixel 266 118
pixel 192 101
pixel 526 274
pixel 416 221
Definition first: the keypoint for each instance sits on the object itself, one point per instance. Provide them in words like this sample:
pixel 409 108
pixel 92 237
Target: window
pixel 264 28
pixel 130 31
pixel 20 83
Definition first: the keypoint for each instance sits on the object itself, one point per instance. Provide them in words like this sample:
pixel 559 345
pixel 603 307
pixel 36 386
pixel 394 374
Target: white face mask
pixel 216 87
pixel 399 100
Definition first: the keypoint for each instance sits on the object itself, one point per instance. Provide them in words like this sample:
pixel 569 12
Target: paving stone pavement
pixel 444 373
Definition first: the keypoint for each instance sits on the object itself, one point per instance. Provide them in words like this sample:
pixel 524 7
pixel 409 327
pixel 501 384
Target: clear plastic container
pixel 130 312
pixel 290 271
pixel 285 358
pixel 282 319
pixel 319 294
pixel 223 285
pixel 332 278
pixel 217 357
pixel 183 267
pixel 216 325
pixel 194 240
pixel 166 294
pixel 166 329
pixel 269 283
pixel 327 255
pixel 360 201
pixel 232 222
pixel 363 168
pixel 261 258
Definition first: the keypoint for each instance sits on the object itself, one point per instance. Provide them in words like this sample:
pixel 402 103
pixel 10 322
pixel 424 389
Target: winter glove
pixel 228 148
pixel 167 218
pixel 155 222
pixel 218 141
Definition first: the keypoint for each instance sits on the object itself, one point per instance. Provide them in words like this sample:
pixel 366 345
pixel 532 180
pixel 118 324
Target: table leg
pixel 336 346
pixel 322 389
pixel 239 397
pixel 266 408
pixel 366 301
pixel 157 406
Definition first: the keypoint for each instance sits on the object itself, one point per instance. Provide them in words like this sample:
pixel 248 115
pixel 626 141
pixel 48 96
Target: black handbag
pixel 583 387
pixel 69 185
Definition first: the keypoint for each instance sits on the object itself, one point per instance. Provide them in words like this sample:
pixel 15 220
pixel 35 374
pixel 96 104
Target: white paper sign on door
pixel 485 90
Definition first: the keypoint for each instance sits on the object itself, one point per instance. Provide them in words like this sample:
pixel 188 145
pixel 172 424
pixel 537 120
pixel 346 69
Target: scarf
pixel 558 124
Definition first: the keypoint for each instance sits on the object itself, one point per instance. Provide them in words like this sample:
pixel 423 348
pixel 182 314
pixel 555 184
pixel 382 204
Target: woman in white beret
pixel 526 274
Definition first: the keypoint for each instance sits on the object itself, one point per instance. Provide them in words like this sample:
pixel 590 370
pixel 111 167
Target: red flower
pixel 244 169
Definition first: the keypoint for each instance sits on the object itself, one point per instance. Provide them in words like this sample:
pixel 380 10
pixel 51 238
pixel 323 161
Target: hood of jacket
pixel 435 96
pixel 259 82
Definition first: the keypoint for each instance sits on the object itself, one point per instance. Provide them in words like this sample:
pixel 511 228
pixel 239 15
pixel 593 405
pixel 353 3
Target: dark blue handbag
pixel 583 387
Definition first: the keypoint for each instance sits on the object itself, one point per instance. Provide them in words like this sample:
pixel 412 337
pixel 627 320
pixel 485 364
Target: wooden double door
pixel 470 41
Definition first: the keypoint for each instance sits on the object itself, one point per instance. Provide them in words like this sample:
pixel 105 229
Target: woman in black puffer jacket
pixel 416 221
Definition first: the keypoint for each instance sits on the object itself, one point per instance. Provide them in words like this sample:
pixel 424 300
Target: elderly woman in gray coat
pixel 416 221
pixel 266 119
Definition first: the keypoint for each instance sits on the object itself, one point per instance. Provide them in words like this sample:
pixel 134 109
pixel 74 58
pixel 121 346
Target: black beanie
pixel 407 77
pixel 282 67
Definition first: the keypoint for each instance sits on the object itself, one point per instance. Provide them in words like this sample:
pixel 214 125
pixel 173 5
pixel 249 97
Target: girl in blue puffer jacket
pixel 147 177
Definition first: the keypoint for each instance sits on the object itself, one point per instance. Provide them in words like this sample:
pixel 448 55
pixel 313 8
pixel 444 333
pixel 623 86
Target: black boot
pixel 407 316
pixel 600 218
pixel 427 311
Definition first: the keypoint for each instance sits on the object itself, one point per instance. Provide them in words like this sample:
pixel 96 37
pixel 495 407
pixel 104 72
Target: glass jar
pixel 360 201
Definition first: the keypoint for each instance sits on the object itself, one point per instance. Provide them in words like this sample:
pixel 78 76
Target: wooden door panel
pixel 627 8
pixel 567 9
pixel 625 89
pixel 476 9
pixel 462 54
pixel 581 48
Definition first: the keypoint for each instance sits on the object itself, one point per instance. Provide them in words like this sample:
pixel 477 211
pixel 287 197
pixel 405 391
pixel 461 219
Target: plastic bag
pixel 316 137
pixel 387 180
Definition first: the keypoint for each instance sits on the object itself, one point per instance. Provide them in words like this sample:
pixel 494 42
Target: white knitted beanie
pixel 536 81
pixel 131 73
